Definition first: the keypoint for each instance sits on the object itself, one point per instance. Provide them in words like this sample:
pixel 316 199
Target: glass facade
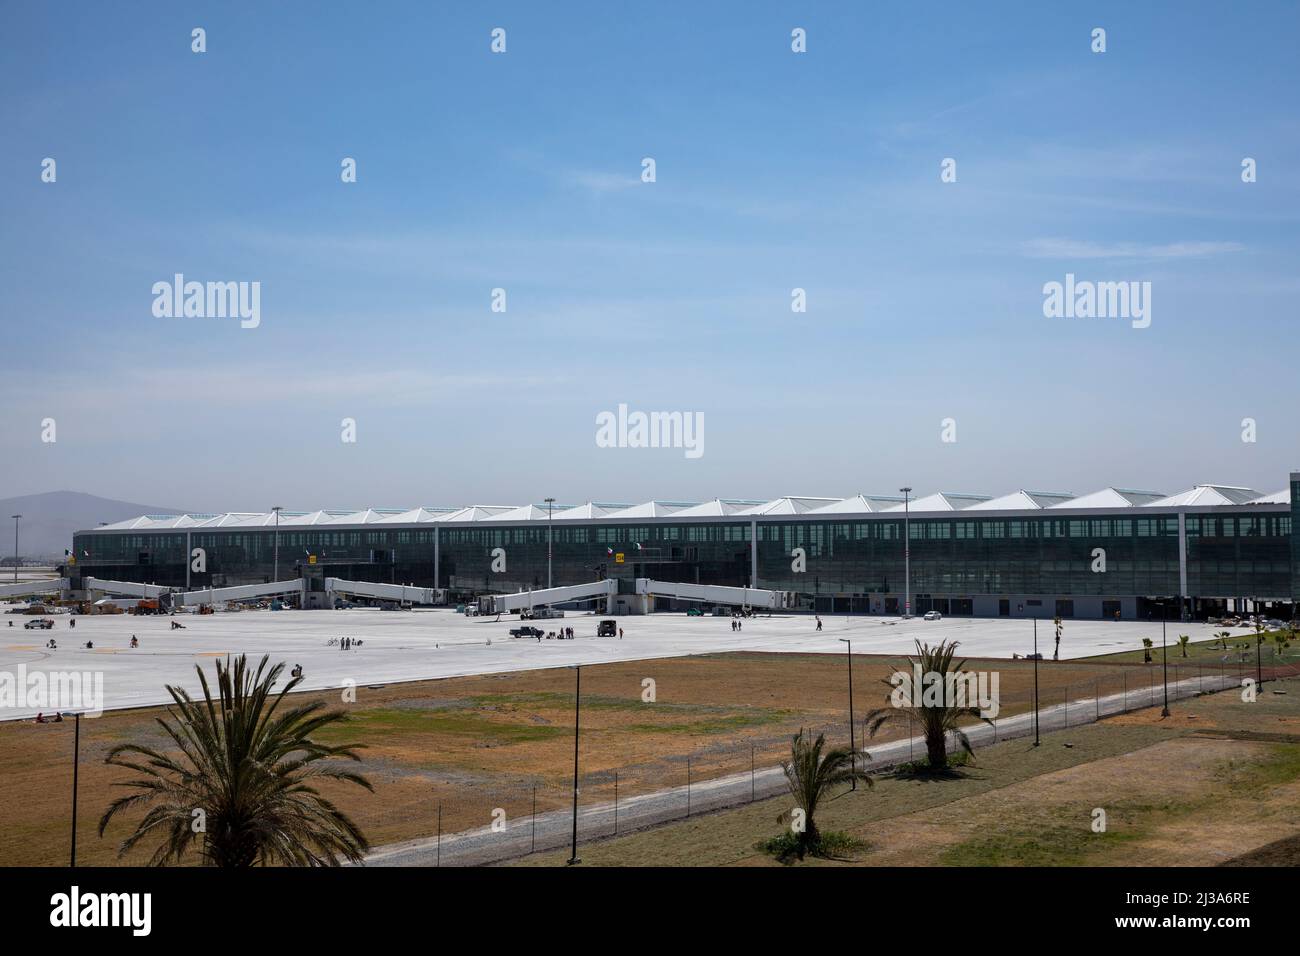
pixel 1295 537
pixel 1241 552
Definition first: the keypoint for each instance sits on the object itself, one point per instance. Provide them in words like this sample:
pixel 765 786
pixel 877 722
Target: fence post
pixel 1123 707
pixel 751 773
pixel 688 786
pixel 534 846
pixel 1096 695
pixel 1067 706
pixel 615 803
pixel 439 860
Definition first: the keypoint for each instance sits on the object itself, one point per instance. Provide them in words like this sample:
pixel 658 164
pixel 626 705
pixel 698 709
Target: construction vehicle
pixel 147 606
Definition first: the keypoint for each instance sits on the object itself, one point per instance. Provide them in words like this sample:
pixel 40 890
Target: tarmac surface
pixel 400 646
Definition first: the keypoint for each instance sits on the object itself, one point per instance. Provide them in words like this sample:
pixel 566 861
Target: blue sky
pixel 522 171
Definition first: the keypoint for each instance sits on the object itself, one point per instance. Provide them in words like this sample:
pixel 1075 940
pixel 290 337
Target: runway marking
pixel 21 647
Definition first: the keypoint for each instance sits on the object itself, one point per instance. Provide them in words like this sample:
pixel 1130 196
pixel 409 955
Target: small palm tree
pixel 937 720
pixel 1223 638
pixel 811 772
pixel 246 772
pixel 1183 641
pixel 1147 644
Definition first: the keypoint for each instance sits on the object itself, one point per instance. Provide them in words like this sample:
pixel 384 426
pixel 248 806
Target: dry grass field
pixel 1217 783
pixel 473 744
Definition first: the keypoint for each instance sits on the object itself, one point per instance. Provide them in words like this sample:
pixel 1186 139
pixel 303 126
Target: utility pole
pixel 1164 653
pixel 907 556
pixel 853 747
pixel 1259 641
pixel 1036 738
pixel 577 704
pixel 76 765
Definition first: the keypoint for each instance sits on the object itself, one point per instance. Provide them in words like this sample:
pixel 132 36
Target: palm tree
pixel 1147 644
pixel 937 720
pixel 811 773
pixel 1223 638
pixel 1183 640
pixel 244 770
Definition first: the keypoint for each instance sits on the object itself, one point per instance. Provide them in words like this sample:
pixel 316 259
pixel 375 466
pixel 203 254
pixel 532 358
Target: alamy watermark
pixel 959 689
pixel 208 300
pixel 1098 300
pixel 53 691
pixel 624 429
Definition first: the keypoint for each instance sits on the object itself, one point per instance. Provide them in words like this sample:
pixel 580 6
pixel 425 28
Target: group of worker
pixel 53 645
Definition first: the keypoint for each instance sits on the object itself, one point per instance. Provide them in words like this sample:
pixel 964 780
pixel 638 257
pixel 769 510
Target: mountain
pixel 49 520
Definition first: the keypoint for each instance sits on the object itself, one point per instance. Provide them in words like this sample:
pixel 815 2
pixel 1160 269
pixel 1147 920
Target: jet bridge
pixel 402 593
pixel 241 592
pixel 526 600
pixel 23 588
pixel 715 594
pixel 646 588
pixel 128 588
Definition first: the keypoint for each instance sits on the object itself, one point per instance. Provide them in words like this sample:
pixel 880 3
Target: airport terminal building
pixel 1212 548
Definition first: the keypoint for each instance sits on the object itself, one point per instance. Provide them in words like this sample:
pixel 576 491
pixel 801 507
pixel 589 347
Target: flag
pixel 609 551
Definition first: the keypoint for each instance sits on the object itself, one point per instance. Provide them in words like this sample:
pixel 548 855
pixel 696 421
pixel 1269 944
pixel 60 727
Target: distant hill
pixel 49 520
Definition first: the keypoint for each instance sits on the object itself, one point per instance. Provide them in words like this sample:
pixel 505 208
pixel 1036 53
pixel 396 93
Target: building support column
pixel 1182 565
pixel 437 580
pixel 753 553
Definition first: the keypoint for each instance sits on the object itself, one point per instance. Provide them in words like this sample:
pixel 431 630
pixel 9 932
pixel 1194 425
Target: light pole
pixel 1036 681
pixel 1259 640
pixel 1164 654
pixel 276 509
pixel 76 764
pixel 550 505
pixel 853 747
pixel 907 557
pixel 577 704
pixel 15 517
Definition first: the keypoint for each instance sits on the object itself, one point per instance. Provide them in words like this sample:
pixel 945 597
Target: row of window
pixel 789 534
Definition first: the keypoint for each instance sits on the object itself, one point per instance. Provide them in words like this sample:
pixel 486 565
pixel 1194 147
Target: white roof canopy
pixel 1105 499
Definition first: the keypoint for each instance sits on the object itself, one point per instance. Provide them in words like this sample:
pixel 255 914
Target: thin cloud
pixel 602 183
pixel 1055 248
